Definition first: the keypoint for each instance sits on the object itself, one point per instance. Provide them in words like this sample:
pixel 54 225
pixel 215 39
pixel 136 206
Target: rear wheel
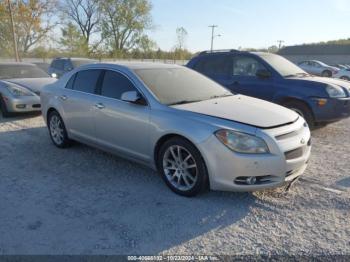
pixel 327 73
pixel 182 167
pixel 4 111
pixel 57 130
pixel 303 110
pixel 345 78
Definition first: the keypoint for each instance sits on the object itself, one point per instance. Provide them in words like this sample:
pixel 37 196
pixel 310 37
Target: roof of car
pixel 133 65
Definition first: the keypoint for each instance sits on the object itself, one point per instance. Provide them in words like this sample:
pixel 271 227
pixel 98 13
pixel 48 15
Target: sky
pixel 249 23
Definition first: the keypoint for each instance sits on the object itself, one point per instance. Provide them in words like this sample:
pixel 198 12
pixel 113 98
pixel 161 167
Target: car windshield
pixel 21 71
pixel 180 85
pixel 283 66
pixel 80 62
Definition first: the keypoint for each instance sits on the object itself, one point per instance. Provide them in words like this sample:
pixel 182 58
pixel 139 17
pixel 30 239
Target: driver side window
pixel 115 84
pixel 246 66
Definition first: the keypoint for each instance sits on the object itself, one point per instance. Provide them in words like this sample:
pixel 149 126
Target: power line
pixel 280 42
pixel 212 36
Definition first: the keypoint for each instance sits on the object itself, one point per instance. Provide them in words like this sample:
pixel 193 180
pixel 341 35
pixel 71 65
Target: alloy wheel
pixel 180 168
pixel 56 129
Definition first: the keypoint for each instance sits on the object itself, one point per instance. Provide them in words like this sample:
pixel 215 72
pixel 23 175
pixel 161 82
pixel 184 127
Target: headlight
pixel 335 91
pixel 18 91
pixel 242 143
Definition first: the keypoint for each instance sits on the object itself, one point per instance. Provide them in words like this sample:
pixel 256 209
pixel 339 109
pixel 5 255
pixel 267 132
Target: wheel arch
pixel 163 139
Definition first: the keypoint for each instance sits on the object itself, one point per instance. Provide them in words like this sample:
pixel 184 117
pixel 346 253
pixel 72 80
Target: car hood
pixel 243 109
pixel 325 80
pixel 33 84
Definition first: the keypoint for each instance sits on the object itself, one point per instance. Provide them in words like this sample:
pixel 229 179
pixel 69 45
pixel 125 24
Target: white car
pixel 343 74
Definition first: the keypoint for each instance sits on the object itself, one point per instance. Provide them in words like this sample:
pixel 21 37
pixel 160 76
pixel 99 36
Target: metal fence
pixel 163 61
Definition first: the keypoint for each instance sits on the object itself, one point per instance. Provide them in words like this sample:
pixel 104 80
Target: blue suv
pixel 276 79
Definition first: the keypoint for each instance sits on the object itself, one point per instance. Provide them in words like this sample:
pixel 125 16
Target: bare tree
pixel 181 37
pixel 85 14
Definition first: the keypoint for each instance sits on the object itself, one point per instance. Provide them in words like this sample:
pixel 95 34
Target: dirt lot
pixel 84 201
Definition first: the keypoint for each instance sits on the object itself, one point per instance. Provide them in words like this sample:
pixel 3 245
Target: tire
pixel 345 78
pixel 3 109
pixel 186 178
pixel 326 73
pixel 303 110
pixel 57 130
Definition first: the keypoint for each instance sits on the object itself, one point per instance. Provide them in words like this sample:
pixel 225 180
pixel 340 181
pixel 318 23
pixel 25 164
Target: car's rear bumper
pixel 335 109
pixel 22 104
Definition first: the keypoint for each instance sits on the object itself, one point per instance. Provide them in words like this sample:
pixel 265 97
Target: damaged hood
pixel 243 109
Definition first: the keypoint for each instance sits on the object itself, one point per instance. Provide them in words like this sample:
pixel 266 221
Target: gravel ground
pixel 84 201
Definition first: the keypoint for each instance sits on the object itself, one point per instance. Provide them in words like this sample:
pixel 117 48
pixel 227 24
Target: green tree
pixel 72 41
pixel 124 23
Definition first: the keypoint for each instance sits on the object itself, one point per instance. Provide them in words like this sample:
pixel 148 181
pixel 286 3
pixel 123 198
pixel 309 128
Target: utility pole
pixel 13 32
pixel 280 42
pixel 212 36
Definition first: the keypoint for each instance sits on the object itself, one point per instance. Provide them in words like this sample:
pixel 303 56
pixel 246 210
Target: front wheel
pixel 182 167
pixel 302 110
pixel 57 130
pixel 5 113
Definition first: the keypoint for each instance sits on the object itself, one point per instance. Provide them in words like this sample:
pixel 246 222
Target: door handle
pixel 99 106
pixel 64 97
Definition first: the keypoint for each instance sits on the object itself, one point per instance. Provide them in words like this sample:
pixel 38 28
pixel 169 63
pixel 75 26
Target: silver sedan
pixel 20 85
pixel 192 130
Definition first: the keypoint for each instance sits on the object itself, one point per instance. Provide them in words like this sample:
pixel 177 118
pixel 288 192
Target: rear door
pixel 245 81
pixel 79 101
pixel 120 125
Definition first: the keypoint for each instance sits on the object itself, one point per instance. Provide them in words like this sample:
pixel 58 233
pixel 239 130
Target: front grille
pixel 36 106
pixel 293 154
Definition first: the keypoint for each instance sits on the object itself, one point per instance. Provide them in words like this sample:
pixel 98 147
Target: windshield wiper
pixel 226 95
pixel 298 74
pixel 184 102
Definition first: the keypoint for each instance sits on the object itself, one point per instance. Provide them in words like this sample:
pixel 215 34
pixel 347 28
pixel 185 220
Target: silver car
pixel 318 68
pixel 175 120
pixel 20 86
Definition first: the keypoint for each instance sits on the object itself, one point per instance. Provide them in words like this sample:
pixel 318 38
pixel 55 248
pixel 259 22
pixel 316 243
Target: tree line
pixel 86 28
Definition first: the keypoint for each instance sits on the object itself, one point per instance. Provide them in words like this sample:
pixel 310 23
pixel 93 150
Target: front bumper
pixel 228 170
pixel 22 104
pixel 334 110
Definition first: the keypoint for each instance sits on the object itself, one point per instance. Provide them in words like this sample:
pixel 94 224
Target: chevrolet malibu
pixel 190 129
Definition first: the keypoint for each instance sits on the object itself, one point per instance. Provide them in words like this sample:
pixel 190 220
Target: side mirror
pixel 263 74
pixel 133 97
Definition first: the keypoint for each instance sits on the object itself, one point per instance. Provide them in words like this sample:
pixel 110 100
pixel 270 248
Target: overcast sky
pixel 250 23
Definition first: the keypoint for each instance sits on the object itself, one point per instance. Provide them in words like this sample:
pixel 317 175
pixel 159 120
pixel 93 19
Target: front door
pixel 120 125
pixel 245 80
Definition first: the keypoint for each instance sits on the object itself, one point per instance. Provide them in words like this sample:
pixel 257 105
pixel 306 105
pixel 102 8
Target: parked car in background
pixel 192 130
pixel 61 65
pixel 20 86
pixel 43 66
pixel 341 66
pixel 318 68
pixel 343 74
pixel 274 78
